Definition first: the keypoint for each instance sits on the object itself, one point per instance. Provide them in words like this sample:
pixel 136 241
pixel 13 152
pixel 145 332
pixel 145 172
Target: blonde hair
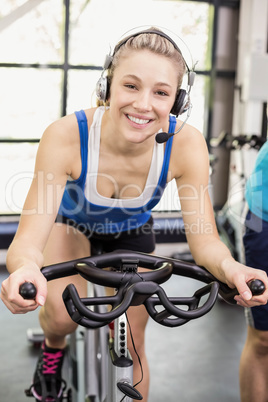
pixel 151 41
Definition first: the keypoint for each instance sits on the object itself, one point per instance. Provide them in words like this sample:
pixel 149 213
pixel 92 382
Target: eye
pixel 162 93
pixel 130 86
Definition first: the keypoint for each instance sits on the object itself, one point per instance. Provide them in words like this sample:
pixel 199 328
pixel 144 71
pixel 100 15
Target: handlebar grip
pixel 27 290
pixel 256 286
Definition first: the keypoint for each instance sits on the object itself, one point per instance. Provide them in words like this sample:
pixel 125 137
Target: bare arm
pixel 54 163
pixel 202 235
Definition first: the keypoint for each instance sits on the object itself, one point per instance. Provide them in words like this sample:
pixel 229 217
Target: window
pixel 51 56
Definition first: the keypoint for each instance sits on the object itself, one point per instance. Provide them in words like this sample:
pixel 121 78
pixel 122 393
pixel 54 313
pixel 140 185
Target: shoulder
pixel 65 131
pixel 61 133
pixel 90 115
pixel 68 124
pixel 189 151
pixel 61 141
pixel 189 135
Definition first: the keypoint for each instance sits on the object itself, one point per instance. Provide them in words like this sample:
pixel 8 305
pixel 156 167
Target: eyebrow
pixel 133 76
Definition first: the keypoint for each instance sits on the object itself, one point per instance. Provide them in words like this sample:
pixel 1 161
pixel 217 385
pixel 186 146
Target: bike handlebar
pixel 135 288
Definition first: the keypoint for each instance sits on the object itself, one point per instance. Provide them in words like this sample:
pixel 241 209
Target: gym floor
pixel 197 362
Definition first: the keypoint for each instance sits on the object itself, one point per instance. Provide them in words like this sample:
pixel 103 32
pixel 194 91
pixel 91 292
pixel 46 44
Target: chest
pixel 122 177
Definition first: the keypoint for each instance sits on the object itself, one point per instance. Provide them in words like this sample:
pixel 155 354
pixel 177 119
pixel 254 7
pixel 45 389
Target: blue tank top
pixel 108 219
pixel 257 185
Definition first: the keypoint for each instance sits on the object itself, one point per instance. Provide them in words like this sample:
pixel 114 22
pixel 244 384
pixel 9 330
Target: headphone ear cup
pixel 181 104
pixel 102 89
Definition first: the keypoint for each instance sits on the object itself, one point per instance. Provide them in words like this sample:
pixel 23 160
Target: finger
pixel 41 292
pixel 244 290
pixel 255 301
pixel 16 303
pixel 40 299
pixel 18 309
pixel 24 305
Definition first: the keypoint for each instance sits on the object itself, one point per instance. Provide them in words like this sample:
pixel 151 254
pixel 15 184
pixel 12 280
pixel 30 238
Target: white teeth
pixel 138 121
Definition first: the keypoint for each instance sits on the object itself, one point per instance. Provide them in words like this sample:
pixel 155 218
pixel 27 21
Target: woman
pixel 115 176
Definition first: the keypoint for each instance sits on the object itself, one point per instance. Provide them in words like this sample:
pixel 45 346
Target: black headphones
pixel 182 102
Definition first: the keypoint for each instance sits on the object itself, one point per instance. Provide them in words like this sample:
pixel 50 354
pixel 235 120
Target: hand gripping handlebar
pixel 133 288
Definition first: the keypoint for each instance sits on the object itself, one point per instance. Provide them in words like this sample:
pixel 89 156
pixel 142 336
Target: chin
pixel 138 138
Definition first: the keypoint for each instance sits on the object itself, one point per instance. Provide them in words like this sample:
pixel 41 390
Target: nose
pixel 143 101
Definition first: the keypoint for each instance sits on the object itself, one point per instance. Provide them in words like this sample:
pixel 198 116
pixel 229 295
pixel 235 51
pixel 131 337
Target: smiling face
pixel 142 93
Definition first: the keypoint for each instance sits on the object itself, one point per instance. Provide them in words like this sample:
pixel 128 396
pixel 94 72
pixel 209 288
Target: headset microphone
pixel 163 137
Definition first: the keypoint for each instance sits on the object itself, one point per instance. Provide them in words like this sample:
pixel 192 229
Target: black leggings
pixel 140 239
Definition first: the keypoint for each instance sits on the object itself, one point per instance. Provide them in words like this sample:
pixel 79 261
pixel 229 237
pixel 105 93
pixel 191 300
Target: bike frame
pixel 95 369
pixel 83 347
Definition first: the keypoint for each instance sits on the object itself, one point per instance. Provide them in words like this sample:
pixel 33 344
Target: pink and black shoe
pixel 48 386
